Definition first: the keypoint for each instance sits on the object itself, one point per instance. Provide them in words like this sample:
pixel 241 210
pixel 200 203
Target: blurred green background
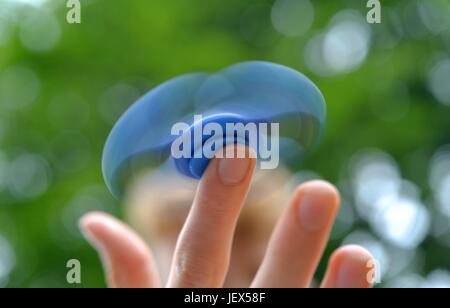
pixel 387 86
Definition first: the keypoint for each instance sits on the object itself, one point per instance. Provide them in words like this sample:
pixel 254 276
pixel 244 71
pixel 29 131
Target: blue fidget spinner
pixel 255 93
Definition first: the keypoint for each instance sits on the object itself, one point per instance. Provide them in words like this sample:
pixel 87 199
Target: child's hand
pixel 203 250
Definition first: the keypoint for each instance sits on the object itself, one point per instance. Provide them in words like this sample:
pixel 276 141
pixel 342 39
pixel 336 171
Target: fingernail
pixel 233 170
pixel 316 207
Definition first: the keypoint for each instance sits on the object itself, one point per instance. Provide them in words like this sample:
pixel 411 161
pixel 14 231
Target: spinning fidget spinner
pixel 256 93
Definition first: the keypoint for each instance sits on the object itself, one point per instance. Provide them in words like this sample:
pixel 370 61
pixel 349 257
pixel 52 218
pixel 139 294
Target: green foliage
pixel 139 44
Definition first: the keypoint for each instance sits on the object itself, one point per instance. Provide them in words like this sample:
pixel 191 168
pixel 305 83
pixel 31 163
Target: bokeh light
pixel 39 30
pixel 13 81
pixel 7 260
pixel 390 32
pixel 412 21
pixel 402 221
pixel 29 2
pixel 3 170
pixel 292 17
pixel 5 27
pixel 439 178
pixel 342 48
pixel 31 176
pixel 346 43
pixel 375 175
pixel 389 203
pixel 386 147
pixel 435 15
pixel 439 278
pixel 438 80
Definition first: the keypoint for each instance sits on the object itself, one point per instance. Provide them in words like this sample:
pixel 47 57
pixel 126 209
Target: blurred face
pixel 158 205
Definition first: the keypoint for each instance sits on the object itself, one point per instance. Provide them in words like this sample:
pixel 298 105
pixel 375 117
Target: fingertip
pixel 355 251
pixel 235 164
pixel 127 260
pixel 300 237
pixel 322 189
pixel 87 225
pixel 88 220
pixel 317 204
pixel 94 226
pixel 350 267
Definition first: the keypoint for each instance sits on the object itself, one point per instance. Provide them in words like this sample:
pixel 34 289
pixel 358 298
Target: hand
pixel 202 253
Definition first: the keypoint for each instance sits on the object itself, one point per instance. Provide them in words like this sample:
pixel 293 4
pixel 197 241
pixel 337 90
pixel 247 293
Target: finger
pixel 349 267
pixel 203 250
pixel 127 260
pixel 299 238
